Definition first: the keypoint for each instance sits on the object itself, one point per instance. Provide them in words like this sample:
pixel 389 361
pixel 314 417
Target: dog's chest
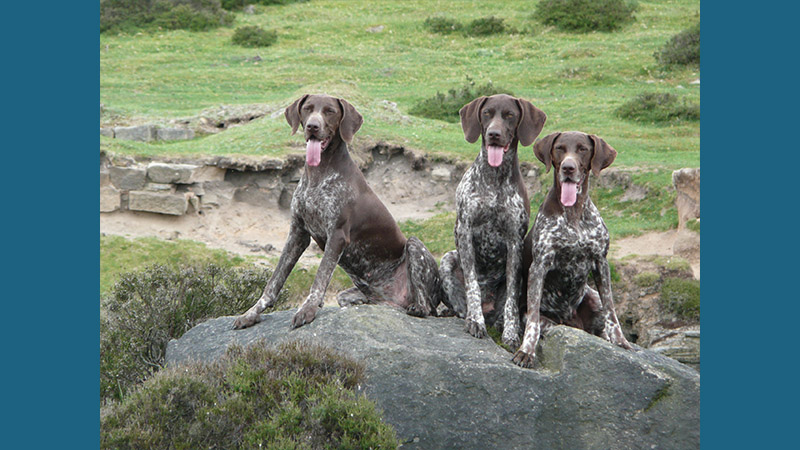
pixel 320 204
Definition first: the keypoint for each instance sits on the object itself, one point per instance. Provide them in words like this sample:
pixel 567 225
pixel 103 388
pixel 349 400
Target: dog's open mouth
pixel 495 153
pixel 314 148
pixel 569 192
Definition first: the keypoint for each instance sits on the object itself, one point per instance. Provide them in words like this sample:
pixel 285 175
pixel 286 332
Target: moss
pixel 497 337
pixel 660 395
pixel 295 395
pixel 646 279
pixel 682 297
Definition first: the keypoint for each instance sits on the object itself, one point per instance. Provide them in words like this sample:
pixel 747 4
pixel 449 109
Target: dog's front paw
pixel 247 319
pixel 476 328
pixel 418 310
pixel 524 359
pixel 511 340
pixel 304 315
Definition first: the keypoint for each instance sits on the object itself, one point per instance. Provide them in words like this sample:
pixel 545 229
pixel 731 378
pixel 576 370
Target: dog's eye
pixel 582 149
pixel 508 115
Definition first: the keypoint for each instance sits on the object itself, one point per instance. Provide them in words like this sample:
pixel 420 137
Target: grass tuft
pixel 583 16
pixel 682 297
pixel 683 49
pixel 651 107
pixel 253 36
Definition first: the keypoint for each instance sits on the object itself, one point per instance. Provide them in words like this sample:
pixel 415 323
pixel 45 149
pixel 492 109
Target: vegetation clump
pixel 681 297
pixel 485 26
pixel 232 5
pixel 583 16
pixel 652 107
pixel 442 25
pixel 147 308
pixel 254 36
pixel 446 106
pixel 683 49
pixel 135 15
pixel 293 396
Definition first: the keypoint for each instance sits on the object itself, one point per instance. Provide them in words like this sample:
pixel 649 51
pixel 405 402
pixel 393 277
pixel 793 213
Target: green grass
pixel 169 74
pixel 119 255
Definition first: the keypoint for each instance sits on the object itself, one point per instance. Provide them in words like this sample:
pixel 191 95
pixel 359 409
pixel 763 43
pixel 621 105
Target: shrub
pixel 295 395
pixel 132 15
pixel 148 308
pixel 681 49
pixel 446 107
pixel 442 25
pixel 254 36
pixel 583 16
pixel 659 107
pixel 232 5
pixel 682 297
pixel 485 26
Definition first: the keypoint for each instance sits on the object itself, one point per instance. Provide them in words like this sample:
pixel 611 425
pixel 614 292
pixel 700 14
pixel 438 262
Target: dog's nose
pixel 312 126
pixel 568 167
pixel 493 134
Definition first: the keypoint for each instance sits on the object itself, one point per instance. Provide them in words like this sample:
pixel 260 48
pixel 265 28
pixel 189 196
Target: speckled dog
pixel 482 276
pixel 567 242
pixel 334 205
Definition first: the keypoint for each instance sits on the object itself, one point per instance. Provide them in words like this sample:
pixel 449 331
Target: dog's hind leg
pixel 352 296
pixel 455 294
pixel 424 283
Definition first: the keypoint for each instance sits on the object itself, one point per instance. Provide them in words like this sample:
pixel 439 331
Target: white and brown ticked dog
pixel 568 241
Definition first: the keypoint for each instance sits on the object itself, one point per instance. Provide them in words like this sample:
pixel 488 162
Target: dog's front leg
pixel 334 247
pixel 511 308
pixel 296 244
pixel 474 322
pixel 613 330
pixel 525 355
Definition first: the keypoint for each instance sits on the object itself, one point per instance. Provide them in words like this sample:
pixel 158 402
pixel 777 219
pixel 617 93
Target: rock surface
pixel 441 388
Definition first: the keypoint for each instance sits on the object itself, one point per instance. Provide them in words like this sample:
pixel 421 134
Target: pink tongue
pixel 313 151
pixel 569 193
pixel 495 155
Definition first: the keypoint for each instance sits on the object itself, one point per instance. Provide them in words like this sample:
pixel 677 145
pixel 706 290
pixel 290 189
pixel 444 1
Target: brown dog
pixel 567 242
pixel 334 206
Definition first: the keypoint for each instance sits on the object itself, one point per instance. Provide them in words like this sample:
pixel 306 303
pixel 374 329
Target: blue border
pixel 749 148
pixel 51 223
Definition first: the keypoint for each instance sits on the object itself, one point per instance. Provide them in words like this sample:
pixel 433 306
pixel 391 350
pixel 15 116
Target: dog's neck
pixel 507 170
pixel 553 206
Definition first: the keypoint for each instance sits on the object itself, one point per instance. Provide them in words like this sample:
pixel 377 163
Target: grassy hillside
pixel 338 48
pixel 331 47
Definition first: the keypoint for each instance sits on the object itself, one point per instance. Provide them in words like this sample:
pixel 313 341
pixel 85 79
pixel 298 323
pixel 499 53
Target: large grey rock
pixel 158 202
pixel 127 178
pixel 159 172
pixel 441 388
pixel 144 133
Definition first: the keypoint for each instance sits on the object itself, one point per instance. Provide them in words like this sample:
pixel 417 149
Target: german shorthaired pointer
pixel 482 276
pixel 334 205
pixel 567 242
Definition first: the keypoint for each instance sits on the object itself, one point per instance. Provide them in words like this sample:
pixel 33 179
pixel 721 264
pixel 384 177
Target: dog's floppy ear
pixel 543 149
pixel 604 154
pixel 470 119
pixel 351 121
pixel 292 113
pixel 530 123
